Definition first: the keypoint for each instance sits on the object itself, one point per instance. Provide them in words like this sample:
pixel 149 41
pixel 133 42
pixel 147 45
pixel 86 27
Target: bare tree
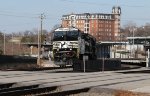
pixel 128 27
pixel 146 29
pixel 55 27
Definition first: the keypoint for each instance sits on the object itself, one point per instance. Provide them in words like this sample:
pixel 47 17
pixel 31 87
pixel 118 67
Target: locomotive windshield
pixel 65 35
pixel 59 36
pixel 72 35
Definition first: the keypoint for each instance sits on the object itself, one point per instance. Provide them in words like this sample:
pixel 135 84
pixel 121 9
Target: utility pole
pixel 145 39
pixel 39 38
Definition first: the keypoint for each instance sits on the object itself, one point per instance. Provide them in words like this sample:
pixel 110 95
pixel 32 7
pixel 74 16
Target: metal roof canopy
pixel 36 45
pixel 139 40
pixel 110 43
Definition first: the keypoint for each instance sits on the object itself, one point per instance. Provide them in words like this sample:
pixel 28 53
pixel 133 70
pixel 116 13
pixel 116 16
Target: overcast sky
pixel 21 15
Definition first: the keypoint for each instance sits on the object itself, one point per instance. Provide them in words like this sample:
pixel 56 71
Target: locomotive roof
pixel 67 29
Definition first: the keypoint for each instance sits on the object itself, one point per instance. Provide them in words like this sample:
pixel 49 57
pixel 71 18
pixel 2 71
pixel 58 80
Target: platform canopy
pixel 111 43
pixel 36 44
pixel 139 40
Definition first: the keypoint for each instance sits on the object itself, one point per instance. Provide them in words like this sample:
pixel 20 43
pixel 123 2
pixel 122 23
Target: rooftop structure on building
pixel 104 27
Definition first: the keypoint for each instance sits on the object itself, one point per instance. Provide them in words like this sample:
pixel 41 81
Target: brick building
pixel 104 27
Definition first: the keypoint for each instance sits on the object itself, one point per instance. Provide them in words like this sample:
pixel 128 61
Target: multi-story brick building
pixel 104 27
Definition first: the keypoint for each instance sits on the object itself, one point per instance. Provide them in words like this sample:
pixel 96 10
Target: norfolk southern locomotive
pixel 70 44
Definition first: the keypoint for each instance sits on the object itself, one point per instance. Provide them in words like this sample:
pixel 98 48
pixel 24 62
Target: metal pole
pixel 132 30
pixel 133 43
pixel 145 41
pixel 38 61
pixel 4 44
pixel 12 45
pixel 133 50
pixel 84 63
pixel 146 44
pixel 103 64
pixel 147 60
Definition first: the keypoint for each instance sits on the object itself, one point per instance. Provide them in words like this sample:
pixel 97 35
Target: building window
pixel 87 25
pixel 92 21
pixel 92 16
pixel 92 25
pixel 109 34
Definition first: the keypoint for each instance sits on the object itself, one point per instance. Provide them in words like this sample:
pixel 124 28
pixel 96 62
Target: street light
pixel 145 39
pixel 146 34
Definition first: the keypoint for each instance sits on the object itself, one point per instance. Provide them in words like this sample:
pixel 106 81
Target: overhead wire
pixel 3 14
pixel 12 14
pixel 19 24
pixel 124 5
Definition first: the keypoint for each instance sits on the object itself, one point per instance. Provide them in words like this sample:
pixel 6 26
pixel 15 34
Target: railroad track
pixel 25 90
pixel 62 85
pixel 37 69
pixel 37 91
pixel 8 89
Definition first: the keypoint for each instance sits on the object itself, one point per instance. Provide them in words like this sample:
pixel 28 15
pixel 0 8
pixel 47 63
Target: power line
pixel 22 16
pixel 12 12
pixel 19 24
pixel 138 19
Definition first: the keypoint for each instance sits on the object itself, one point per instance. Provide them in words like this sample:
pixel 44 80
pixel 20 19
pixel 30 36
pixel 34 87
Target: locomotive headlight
pixel 70 48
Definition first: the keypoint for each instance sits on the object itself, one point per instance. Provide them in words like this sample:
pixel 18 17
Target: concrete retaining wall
pixel 97 65
pixel 17 62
